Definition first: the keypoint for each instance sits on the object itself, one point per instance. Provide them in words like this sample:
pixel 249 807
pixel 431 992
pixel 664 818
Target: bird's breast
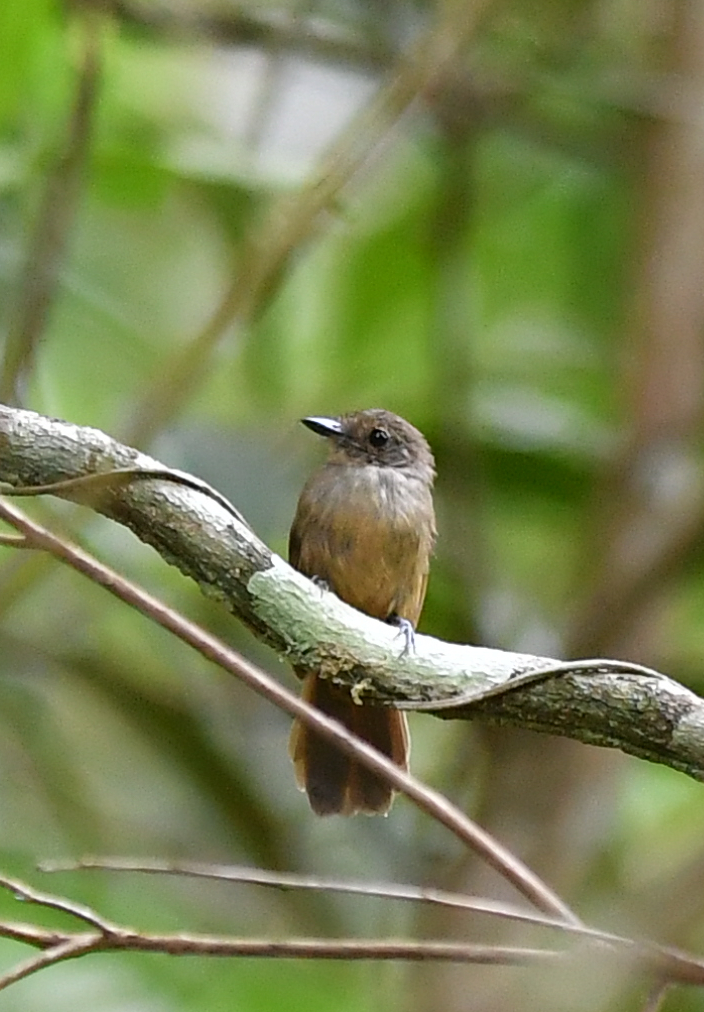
pixel 368 532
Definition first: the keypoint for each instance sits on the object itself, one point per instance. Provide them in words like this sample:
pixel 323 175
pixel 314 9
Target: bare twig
pixel 21 891
pixel 57 946
pixel 70 948
pixel 14 541
pixel 186 944
pixel 289 880
pixel 667 963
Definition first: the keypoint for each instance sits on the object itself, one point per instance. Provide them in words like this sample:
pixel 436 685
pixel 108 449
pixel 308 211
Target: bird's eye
pixel 378 438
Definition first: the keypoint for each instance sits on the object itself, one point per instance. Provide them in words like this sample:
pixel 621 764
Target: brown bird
pixel 365 528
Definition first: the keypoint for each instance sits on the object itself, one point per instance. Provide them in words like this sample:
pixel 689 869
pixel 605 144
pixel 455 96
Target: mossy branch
pixel 602 702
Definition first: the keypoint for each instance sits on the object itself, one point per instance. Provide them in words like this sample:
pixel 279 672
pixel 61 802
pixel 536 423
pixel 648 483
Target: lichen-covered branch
pixel 600 702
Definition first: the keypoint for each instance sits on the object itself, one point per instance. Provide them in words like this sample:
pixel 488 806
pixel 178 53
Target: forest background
pixel 212 225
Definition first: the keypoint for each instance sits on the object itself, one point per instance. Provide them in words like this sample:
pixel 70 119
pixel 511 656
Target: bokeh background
pixel 515 263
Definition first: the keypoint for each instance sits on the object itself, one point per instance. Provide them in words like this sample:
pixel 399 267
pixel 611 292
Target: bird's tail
pixel 334 782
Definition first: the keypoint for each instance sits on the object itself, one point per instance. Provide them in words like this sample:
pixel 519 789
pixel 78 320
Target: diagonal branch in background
pixel 293 219
pixel 37 284
pixel 606 702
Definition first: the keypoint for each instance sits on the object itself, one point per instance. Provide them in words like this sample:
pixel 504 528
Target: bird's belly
pixel 374 563
pixel 375 572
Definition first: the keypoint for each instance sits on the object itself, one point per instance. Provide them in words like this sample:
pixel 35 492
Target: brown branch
pixel 320 948
pixel 290 880
pixel 69 947
pixel 58 946
pixel 667 965
pixel 186 944
pixel 21 891
pixel 106 936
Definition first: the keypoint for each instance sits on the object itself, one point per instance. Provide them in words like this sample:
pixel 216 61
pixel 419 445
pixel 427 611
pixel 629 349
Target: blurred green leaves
pixel 486 275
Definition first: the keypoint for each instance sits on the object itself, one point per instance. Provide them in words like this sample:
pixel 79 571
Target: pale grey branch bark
pixel 599 702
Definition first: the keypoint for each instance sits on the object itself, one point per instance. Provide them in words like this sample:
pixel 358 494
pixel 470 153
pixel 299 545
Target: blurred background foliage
pixel 517 268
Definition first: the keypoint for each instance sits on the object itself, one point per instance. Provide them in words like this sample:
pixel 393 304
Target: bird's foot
pixel 405 629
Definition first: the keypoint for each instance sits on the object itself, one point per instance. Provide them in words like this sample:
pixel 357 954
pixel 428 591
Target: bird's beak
pixel 324 426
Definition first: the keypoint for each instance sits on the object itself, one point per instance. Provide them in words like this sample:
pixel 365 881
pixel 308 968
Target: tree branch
pixel 600 702
pixel 667 964
pixel 103 935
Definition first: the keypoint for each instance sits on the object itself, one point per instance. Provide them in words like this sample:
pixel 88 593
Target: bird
pixel 365 529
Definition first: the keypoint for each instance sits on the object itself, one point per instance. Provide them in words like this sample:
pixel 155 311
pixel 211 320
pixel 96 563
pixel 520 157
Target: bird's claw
pixel 405 629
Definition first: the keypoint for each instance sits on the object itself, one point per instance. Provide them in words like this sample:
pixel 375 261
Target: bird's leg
pixel 405 629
